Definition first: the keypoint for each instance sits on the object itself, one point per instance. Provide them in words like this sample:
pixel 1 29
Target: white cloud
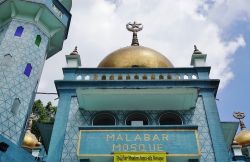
pixel 226 12
pixel 170 27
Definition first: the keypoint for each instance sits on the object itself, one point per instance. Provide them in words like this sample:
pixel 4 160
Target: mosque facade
pixel 135 106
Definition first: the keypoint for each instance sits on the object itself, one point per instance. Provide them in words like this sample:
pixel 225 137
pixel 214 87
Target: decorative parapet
pixel 135 74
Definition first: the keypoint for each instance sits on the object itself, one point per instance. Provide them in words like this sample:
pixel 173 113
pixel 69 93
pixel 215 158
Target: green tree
pixel 42 114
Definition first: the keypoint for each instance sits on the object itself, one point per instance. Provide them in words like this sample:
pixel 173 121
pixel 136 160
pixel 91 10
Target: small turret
pixel 241 145
pixel 73 59
pixel 198 58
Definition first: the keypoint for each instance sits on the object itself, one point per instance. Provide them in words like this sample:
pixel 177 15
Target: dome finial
pixel 240 116
pixel 196 51
pixel 75 52
pixel 134 27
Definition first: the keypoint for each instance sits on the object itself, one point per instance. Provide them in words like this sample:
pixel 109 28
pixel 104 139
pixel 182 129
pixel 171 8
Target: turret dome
pixel 135 56
pixel 243 138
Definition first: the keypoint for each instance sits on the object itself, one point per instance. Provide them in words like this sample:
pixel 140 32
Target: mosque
pixel 134 107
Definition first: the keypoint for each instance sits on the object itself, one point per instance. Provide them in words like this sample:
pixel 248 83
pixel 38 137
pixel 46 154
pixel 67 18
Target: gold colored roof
pixel 243 138
pixel 135 56
pixel 30 141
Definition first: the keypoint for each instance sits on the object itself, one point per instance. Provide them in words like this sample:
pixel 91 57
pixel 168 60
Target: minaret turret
pixel 198 58
pixel 73 59
pixel 30 33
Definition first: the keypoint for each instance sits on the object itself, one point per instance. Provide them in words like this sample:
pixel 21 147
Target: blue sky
pixel 220 28
pixel 235 96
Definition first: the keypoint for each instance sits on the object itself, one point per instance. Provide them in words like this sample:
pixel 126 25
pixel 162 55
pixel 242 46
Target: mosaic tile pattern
pixel 197 116
pixel 79 118
pixel 13 82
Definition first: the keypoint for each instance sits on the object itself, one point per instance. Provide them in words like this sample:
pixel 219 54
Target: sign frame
pixel 136 130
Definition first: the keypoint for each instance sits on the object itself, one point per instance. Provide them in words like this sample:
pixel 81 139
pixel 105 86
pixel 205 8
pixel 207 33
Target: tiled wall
pixel 13 82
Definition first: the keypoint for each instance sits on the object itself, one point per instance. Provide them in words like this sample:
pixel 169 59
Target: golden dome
pixel 243 138
pixel 30 141
pixel 135 56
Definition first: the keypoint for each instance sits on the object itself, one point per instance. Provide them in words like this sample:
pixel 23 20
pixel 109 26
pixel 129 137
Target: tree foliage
pixel 42 114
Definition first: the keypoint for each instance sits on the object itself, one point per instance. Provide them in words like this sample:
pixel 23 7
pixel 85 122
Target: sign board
pixel 175 142
pixel 140 157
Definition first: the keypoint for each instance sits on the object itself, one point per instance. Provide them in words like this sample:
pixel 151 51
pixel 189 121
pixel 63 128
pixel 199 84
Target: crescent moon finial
pixel 134 27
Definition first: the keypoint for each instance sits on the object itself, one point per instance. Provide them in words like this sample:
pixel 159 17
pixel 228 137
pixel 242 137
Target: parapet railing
pixel 135 74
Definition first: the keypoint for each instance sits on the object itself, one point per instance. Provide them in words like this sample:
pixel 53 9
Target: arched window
pixel 161 77
pixel 15 106
pixel 170 118
pixel 178 77
pixel 79 77
pixel 87 77
pixel 120 77
pixel 104 119
pixel 194 76
pixel 111 77
pixel 19 31
pixel 169 76
pixel 95 77
pixel 128 77
pixel 103 77
pixel 152 77
pixel 185 76
pixel 7 60
pixel 136 77
pixel 137 119
pixel 28 69
pixel 38 40
pixel 144 77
